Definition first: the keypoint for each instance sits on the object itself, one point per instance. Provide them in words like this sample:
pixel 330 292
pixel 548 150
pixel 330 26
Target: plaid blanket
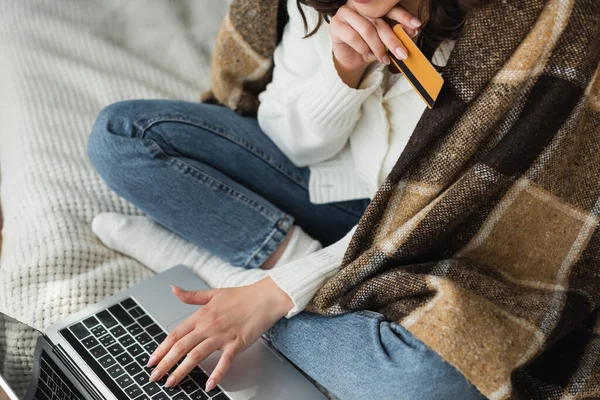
pixel 484 241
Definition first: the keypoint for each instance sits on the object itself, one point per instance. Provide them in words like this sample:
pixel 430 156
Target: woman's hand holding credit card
pixel 358 40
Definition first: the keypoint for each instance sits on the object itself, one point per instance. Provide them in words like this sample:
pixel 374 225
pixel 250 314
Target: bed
pixel 61 62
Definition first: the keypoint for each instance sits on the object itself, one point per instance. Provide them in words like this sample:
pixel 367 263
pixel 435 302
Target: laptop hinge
pixel 76 372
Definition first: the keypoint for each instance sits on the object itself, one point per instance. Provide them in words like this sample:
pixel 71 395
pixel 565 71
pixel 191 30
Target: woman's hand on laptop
pixel 231 320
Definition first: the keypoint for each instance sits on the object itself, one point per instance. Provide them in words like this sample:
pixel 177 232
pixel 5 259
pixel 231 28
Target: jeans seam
pixel 226 135
pixel 203 125
pixel 157 152
pixel 271 242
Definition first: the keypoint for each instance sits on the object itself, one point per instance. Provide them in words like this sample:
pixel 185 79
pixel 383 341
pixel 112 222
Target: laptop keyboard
pixel 117 342
pixel 53 384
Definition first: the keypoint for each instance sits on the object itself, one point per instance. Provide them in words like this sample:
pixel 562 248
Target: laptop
pixel 101 353
pixel 8 392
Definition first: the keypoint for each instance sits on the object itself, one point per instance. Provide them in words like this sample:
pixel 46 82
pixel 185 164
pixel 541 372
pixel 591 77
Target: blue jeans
pixel 213 177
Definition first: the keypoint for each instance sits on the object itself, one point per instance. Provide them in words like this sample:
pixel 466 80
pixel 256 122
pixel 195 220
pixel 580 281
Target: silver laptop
pixel 10 394
pixel 101 353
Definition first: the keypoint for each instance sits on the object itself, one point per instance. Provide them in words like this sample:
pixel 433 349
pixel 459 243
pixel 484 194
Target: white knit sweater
pixel 350 138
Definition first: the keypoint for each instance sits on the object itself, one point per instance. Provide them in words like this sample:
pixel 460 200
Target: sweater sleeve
pixel 307 110
pixel 302 278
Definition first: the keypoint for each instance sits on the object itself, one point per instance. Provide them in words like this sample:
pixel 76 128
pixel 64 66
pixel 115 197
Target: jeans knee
pixel 109 144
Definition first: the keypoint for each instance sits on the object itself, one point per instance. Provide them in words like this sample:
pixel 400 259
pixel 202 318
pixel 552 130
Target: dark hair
pixel 445 21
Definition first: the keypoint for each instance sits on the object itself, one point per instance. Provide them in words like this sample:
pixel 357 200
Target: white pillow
pixel 61 62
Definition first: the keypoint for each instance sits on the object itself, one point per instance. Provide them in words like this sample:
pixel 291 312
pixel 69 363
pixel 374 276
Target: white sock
pixel 299 245
pixel 160 249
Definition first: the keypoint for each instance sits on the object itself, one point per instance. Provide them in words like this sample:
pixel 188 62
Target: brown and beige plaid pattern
pixel 484 241
pixel 242 62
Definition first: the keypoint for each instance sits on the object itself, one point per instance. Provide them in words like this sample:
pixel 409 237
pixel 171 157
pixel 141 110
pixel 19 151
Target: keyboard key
pixel 118 331
pixel 129 303
pixel 98 351
pixel 52 385
pixel 151 389
pixel 106 319
pixel 174 367
pixel 142 378
pixel 135 350
pixel 98 331
pixel 150 347
pixel 180 396
pixel 124 359
pixel 137 312
pixel 126 341
pixel 154 330
pixel 161 338
pixel 133 369
pixel 121 315
pixel 160 396
pixel 142 359
pixel 43 376
pixel 145 321
pixel 221 396
pixel 189 386
pixel 91 322
pixel 198 376
pixel 63 387
pixel 90 342
pixel 214 392
pixel 143 338
pixel 80 331
pixel 133 391
pixel 172 390
pixel 115 349
pixel 199 395
pixel 162 381
pixel 45 390
pixel 107 340
pixel 116 370
pixel 135 329
pixel 124 381
pixel 107 361
pixel 52 382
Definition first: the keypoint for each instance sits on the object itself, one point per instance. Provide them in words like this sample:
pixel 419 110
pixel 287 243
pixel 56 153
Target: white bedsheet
pixel 61 62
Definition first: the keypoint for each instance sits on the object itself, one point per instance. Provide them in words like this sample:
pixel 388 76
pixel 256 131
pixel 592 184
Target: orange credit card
pixel 421 74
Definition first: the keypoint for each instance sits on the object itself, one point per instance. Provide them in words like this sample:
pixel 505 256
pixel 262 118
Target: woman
pixel 269 192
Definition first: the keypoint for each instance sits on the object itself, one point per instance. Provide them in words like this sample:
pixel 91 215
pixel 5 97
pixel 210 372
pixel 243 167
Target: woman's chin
pixel 371 9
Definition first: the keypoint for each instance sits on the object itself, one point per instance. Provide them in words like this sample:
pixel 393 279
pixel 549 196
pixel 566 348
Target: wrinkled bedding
pixel 61 62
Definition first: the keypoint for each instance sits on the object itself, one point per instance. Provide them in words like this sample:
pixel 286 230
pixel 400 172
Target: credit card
pixel 421 74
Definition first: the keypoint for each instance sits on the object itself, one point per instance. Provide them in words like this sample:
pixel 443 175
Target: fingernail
pixel 416 33
pixel 415 22
pixel 386 60
pixel 155 375
pixel 371 56
pixel 210 385
pixel 176 288
pixel 151 361
pixel 401 53
pixel 170 382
